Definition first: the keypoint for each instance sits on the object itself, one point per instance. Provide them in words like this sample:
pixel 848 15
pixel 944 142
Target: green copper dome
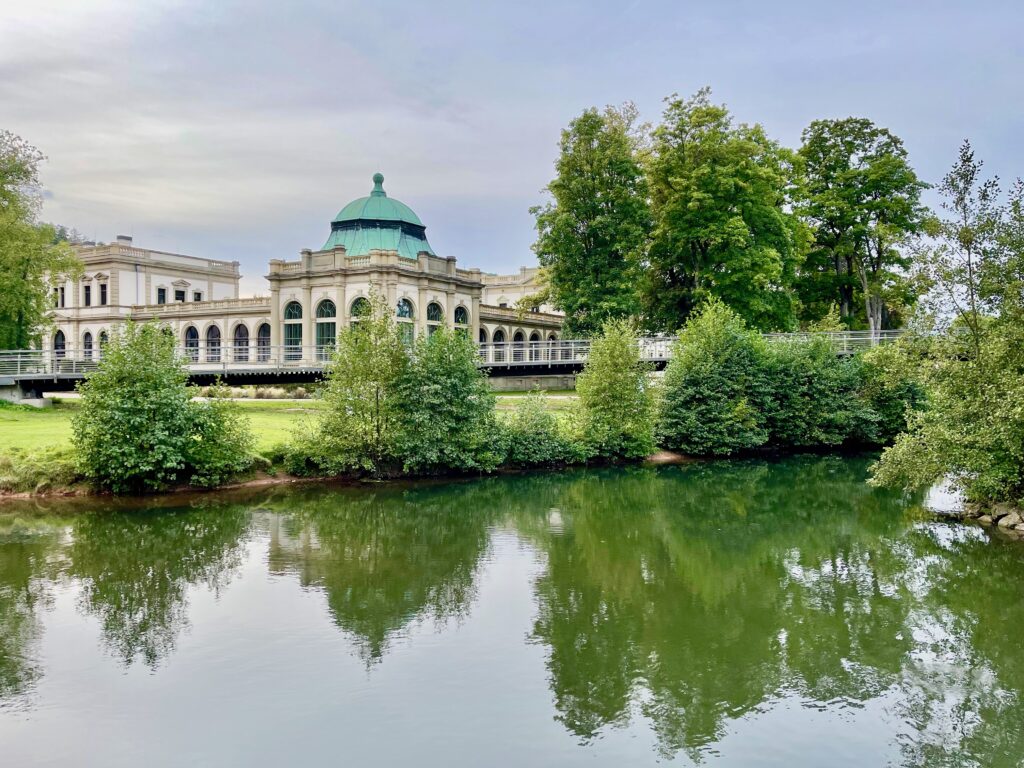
pixel 378 222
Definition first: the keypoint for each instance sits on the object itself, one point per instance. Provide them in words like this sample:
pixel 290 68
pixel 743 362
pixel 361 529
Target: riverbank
pixel 1007 518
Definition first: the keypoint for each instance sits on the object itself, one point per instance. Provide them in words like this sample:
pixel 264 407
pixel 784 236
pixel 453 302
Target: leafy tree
pixel 138 428
pixel 863 200
pixel 720 198
pixel 359 427
pixel 445 407
pixel 972 432
pixel 615 411
pixel 535 439
pixel 31 255
pixel 714 386
pixel 590 237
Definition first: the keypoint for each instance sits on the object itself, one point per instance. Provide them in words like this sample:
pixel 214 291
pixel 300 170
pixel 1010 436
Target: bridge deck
pixel 264 364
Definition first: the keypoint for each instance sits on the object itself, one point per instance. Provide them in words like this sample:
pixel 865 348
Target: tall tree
pixel 864 201
pixel 590 235
pixel 720 197
pixel 31 256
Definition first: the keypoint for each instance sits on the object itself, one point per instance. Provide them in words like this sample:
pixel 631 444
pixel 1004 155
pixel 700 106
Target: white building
pixel 377 246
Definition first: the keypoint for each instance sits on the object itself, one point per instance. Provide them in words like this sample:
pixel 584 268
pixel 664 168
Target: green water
pixel 733 614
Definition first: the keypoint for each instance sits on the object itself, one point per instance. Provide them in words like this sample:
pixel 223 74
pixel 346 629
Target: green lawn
pixel 272 420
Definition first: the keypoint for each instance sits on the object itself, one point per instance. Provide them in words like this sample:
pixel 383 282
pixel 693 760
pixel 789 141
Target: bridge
pixel 31 372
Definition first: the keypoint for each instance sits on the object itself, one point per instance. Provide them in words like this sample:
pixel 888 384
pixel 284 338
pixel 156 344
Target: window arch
pixel 326 328
pixel 499 340
pixel 535 346
pixel 103 339
pixel 240 346
pixel 406 314
pixel 434 313
pixel 59 344
pixel 293 331
pixel 461 316
pixel 191 343
pixel 483 335
pixel 87 345
pixel 213 344
pixel 518 343
pixel 263 342
pixel 360 307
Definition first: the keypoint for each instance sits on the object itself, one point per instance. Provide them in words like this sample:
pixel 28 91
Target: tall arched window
pixel 535 346
pixel 191 343
pixel 326 328
pixel 361 307
pixel 406 316
pixel 293 331
pixel 87 346
pixel 435 316
pixel 518 342
pixel 499 340
pixel 483 335
pixel 263 342
pixel 461 316
pixel 240 343
pixel 213 344
pixel 59 344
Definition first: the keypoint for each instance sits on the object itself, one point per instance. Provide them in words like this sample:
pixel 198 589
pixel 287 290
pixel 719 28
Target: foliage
pixel 713 386
pixel 445 407
pixel 614 418
pixel 138 428
pixel 535 437
pixel 863 200
pixel 590 237
pixel 720 197
pixel 359 426
pixel 38 470
pixel 31 254
pixel 972 432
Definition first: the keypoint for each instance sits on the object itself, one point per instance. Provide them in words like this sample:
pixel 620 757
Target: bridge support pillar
pixel 22 393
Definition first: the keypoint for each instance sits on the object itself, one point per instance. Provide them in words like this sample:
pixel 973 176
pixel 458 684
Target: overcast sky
pixel 236 130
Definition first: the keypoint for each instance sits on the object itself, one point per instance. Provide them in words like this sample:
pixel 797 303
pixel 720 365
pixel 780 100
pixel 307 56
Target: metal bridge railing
pixel 213 359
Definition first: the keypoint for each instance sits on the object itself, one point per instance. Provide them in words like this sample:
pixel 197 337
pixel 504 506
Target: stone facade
pixel 309 299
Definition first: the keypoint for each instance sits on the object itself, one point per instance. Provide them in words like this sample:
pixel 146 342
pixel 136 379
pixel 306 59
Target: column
pixel 307 323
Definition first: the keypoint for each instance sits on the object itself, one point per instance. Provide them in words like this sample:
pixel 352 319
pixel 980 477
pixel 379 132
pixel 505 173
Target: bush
pixel 614 418
pixel 535 438
pixel 715 388
pixel 445 407
pixel 138 429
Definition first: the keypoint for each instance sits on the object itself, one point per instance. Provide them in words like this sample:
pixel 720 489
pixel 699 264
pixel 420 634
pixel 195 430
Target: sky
pixel 237 130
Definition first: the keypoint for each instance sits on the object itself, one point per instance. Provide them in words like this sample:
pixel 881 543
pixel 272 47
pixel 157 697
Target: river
pixel 734 613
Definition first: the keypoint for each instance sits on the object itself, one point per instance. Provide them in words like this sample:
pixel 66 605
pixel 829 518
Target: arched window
pixel 535 346
pixel 518 343
pixel 59 344
pixel 461 316
pixel 405 314
pixel 326 329
pixel 87 346
pixel 191 343
pixel 483 335
pixel 499 341
pixel 213 344
pixel 435 317
pixel 293 331
pixel 263 342
pixel 240 346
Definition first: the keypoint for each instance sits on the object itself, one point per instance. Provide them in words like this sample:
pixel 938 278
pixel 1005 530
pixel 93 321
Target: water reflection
pixel 680 601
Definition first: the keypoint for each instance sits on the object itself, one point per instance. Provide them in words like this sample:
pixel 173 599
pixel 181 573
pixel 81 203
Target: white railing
pixel 227 357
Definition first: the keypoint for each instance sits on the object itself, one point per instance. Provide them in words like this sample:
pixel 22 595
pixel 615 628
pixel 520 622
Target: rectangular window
pixel 61 289
pixel 103 294
pixel 293 341
pixel 56 298
pixel 197 296
pixel 326 333
pixel 179 295
pixel 161 295
pixel 87 296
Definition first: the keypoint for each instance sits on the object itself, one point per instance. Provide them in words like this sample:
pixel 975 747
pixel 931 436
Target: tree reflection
pixel 136 568
pixel 384 558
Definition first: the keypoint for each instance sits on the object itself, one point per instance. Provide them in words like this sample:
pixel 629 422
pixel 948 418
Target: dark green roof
pixel 378 222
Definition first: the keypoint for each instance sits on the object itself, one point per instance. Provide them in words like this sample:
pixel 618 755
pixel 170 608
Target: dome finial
pixel 378 185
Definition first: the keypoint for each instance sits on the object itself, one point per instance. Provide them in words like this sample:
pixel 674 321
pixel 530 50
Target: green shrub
pixel 614 417
pixel 715 389
pixel 137 428
pixel 892 387
pixel 535 438
pixel 445 407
